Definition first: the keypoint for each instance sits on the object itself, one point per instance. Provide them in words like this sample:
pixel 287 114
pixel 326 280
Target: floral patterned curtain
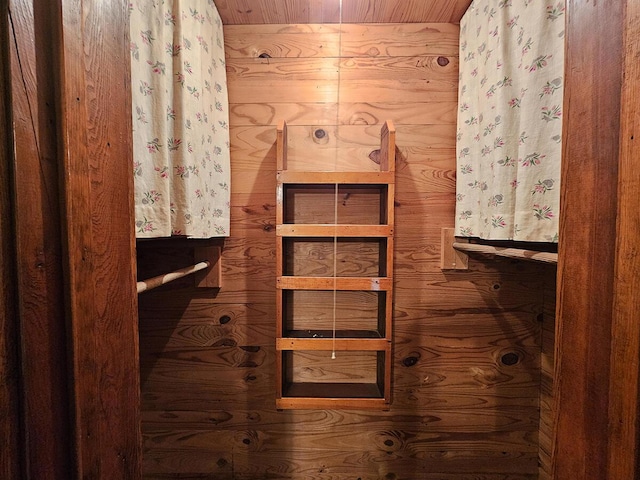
pixel 180 119
pixel 509 120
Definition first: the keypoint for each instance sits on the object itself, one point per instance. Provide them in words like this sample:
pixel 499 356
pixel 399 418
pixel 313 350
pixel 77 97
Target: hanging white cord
pixel 335 267
pixel 335 210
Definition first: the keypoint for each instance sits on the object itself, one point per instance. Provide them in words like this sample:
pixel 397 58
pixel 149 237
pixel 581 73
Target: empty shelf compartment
pixel 309 314
pixel 315 204
pixel 314 257
pixel 352 374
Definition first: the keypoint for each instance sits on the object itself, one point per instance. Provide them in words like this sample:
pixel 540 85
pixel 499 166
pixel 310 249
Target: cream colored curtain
pixel 510 120
pixel 180 119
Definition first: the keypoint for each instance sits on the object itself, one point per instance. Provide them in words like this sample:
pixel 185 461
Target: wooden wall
pixel 468 345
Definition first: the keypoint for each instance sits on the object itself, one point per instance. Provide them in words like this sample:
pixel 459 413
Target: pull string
pixel 339 58
pixel 335 268
pixel 335 202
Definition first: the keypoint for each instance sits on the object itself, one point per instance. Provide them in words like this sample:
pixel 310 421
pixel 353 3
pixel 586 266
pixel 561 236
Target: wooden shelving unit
pixel 334 284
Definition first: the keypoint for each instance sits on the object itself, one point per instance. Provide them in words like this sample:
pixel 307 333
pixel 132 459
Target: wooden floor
pixel 472 349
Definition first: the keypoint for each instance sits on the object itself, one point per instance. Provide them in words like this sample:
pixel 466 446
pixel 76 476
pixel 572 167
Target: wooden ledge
pixel 454 252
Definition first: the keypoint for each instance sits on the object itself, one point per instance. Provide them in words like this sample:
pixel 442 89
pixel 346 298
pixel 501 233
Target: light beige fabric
pixel 510 120
pixel 180 119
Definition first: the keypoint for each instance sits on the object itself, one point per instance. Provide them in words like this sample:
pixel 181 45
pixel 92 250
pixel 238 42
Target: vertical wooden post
pixel 281 145
pixel 586 257
pixel 624 393
pixel 388 147
pixel 95 129
pixel 10 453
pixel 212 276
pixel 450 258
pixel 38 244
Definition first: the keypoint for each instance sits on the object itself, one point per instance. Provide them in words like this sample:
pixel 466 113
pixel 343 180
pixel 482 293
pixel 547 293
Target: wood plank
pixel 398 90
pixel 304 113
pixel 10 425
pixel 282 40
pixel 300 91
pixel 424 450
pixel 624 433
pixel 253 12
pixel 545 434
pixel 372 284
pixel 315 402
pixel 430 468
pixel 476 417
pixel 424 444
pixel 243 12
pixel 450 258
pixel 585 289
pixel 37 235
pixel 95 136
pixel 333 230
pixel 419 69
pixel 464 247
pixel 411 11
pixel 240 70
pixel 400 40
pixel 354 178
pixel 328 344
pixel 371 113
pixel 401 113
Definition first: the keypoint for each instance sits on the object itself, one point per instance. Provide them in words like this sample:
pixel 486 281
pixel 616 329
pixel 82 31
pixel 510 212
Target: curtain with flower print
pixel 180 119
pixel 510 120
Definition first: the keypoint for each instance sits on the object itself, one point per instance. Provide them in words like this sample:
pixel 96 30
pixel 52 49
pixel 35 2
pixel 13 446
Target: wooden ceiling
pixel 243 12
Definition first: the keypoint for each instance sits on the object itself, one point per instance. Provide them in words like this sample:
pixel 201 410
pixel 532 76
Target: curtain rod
pixel 155 282
pixel 533 255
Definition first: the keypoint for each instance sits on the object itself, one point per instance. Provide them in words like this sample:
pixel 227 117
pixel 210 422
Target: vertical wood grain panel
pixel 625 329
pixel 96 148
pixel 40 304
pixel 11 454
pixel 587 228
pixel 545 430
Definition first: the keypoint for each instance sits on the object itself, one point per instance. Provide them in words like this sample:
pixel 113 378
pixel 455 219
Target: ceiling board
pixel 403 11
pixel 246 12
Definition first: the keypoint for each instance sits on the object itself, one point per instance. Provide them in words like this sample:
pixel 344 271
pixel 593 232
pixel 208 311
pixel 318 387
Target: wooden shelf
pixel 454 252
pixel 350 365
pixel 334 390
pixel 328 344
pixel 367 284
pixel 329 231
pixel 361 396
pixel 331 178
pixel 356 334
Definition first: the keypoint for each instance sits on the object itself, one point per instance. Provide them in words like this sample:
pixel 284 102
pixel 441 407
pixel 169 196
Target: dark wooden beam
pixel 10 453
pixel 96 145
pixel 625 328
pixel 586 260
pixel 38 246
